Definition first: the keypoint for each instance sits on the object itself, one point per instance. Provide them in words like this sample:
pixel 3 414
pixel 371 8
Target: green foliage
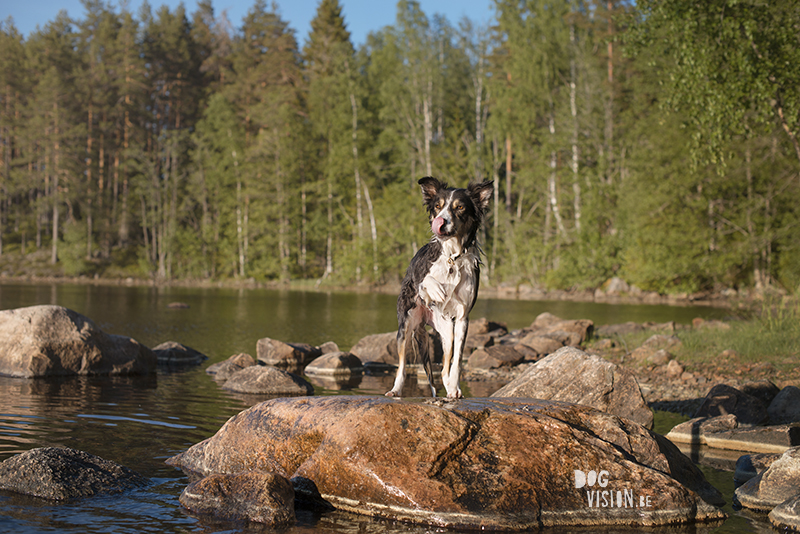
pixel 170 145
pixel 772 334
pixel 73 254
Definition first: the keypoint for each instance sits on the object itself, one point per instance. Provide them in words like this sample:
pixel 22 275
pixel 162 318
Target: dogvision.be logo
pixel 599 495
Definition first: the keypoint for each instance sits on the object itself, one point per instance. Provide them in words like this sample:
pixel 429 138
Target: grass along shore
pixel 764 344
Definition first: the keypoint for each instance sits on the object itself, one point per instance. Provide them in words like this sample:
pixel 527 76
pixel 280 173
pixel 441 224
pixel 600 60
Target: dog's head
pixel 455 212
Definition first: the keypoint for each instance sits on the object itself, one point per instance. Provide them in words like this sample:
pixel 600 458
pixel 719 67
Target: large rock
pixel 172 353
pixel 225 369
pixel 571 375
pixel 723 399
pixel 723 432
pixel 750 465
pixel 273 352
pixel 265 380
pixel 763 390
pixel 473 463
pixel 776 484
pixel 256 496
pixel 55 341
pixel 786 516
pixel 61 474
pixel 785 407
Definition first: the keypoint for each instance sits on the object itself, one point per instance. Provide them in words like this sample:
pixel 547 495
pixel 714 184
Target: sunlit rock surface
pixel 571 375
pixel 474 463
pixel 55 341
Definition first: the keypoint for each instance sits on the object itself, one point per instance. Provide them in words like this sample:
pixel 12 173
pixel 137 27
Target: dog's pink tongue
pixel 437 225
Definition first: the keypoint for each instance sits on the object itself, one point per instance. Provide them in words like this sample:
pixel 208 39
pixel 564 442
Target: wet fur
pixel 441 283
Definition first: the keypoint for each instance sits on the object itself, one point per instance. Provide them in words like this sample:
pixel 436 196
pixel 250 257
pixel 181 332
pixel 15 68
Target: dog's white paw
pixel 455 394
pixel 392 394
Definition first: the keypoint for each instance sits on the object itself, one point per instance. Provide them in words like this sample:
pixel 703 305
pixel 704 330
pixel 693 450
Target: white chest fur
pixel 449 286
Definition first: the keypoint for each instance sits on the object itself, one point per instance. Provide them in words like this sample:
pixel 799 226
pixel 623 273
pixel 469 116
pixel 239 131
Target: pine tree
pixel 333 104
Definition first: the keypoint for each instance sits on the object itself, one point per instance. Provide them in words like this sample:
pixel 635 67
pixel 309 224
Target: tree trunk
pixel 609 111
pixel 552 187
pixel 495 212
pixel 374 231
pixel 573 105
pixel 357 176
pixel 427 103
pixel 56 170
pixel 508 173
pixel 89 210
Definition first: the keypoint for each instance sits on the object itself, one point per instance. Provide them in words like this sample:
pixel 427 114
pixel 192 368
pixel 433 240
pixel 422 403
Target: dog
pixel 441 284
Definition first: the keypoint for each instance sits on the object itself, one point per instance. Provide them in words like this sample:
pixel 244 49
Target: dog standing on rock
pixel 441 283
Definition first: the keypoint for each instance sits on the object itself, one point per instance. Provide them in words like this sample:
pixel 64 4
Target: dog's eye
pixel 439 205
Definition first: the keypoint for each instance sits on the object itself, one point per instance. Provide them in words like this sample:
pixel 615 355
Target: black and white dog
pixel 441 283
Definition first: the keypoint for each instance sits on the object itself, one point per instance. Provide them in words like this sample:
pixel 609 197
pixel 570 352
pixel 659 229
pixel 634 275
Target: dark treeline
pixel 655 141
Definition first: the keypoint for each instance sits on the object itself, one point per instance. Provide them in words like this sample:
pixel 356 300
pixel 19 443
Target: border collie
pixel 441 283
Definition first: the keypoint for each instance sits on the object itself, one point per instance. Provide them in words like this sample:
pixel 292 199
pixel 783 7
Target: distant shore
pixel 728 299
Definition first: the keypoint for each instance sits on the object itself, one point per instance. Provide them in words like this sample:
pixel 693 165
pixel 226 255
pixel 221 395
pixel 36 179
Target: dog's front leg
pixel 444 326
pixel 460 336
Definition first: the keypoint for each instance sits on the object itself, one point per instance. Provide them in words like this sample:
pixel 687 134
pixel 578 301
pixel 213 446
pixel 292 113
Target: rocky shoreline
pixel 558 393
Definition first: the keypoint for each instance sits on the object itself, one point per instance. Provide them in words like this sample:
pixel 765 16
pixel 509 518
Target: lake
pixel 141 421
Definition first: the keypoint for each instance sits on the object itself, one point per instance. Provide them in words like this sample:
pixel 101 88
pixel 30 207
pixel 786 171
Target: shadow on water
pixel 141 421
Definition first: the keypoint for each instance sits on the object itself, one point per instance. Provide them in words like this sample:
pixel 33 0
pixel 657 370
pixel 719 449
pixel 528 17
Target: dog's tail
pixel 422 348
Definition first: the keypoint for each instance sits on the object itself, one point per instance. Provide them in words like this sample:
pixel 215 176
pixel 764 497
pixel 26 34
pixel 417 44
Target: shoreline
pixel 729 299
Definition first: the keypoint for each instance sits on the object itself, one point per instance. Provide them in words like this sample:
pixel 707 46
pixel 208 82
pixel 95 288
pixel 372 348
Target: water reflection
pixel 141 421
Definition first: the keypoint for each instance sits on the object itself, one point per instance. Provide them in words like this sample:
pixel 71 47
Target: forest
pixel 655 140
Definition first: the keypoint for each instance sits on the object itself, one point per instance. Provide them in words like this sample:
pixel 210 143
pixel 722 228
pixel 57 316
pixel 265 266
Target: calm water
pixel 140 422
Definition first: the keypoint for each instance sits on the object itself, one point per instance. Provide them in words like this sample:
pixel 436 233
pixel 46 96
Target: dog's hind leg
pixel 422 344
pixel 402 345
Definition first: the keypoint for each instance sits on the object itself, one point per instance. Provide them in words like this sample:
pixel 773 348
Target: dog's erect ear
pixel 430 187
pixel 481 193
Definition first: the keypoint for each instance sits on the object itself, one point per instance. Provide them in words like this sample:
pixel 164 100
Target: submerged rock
pixel 265 380
pixel 61 474
pixel 225 369
pixel 786 516
pixel 55 341
pixel 776 484
pixel 335 364
pixel 724 432
pixel 750 465
pixel 256 496
pixel 172 353
pixel 571 375
pixel 473 463
pixel 273 352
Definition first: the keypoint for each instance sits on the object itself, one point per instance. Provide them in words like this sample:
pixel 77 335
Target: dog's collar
pixel 453 257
